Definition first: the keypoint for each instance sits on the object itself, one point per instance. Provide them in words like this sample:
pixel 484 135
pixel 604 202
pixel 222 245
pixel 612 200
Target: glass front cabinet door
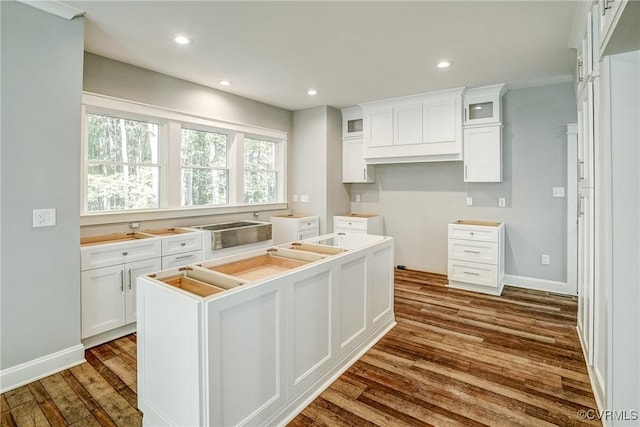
pixel 482 105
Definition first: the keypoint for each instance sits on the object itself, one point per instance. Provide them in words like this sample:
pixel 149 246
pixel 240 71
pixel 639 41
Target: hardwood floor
pixel 455 358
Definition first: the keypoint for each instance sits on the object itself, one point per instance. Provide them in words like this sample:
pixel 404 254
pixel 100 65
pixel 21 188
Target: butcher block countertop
pixel 474 222
pixel 359 215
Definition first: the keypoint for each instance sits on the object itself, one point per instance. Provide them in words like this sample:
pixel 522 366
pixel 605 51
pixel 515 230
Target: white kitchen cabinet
pixel 185 258
pixel 419 128
pixel 291 227
pixel 483 154
pixel 109 295
pixel 586 271
pixel 482 105
pixel 407 123
pixel 110 265
pixel 359 223
pixel 619 26
pixel 476 256
pixel 354 168
pixel 252 353
pixel 352 123
pixel 586 135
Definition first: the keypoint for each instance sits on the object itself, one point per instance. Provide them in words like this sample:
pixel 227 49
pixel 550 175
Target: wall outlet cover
pixel 558 191
pixel 502 202
pixel 44 218
pixel 544 259
pixel 357 197
pixel 304 198
pixel 469 201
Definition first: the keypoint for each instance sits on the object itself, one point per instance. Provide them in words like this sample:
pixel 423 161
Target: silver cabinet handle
pixel 581 163
pixel 364 174
pixel 605 5
pixel 465 171
pixel 184 257
pixel 125 253
pixel 121 280
pixel 471 252
pixel 472 274
pixel 581 209
pixel 183 244
pixel 129 279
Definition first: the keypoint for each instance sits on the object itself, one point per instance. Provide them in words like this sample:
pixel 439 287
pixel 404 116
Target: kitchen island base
pixel 258 352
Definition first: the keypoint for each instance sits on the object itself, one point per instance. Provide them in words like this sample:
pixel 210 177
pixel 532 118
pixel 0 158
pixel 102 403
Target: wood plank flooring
pixel 455 358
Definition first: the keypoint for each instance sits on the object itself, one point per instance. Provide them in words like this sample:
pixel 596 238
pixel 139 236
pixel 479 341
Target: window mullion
pixel 236 170
pixel 172 165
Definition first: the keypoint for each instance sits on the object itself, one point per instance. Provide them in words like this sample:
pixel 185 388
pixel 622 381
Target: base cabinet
pixel 109 295
pixel 358 223
pixel 287 228
pixel 255 353
pixel 476 256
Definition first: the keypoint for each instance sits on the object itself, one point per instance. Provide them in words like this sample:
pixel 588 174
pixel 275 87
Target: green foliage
pixel 259 171
pixel 205 177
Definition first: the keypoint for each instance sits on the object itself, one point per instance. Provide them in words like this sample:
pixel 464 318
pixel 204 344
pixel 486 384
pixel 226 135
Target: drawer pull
pixel 183 244
pixel 184 257
pixel 125 253
pixel 129 279
pixel 471 252
pixel 471 273
pixel 121 280
pixel 471 233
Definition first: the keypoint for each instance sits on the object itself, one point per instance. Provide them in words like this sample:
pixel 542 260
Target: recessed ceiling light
pixel 312 92
pixel 444 64
pixel 225 82
pixel 182 40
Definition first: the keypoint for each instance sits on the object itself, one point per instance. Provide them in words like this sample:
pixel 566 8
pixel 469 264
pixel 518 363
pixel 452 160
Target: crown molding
pixel 55 7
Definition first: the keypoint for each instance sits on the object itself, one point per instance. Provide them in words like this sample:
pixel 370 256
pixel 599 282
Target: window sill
pixel 103 218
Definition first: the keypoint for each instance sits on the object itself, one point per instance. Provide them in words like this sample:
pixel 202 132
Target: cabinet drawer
pixel 471 272
pixel 119 253
pixel 308 223
pixel 349 230
pixel 180 260
pixel 473 232
pixel 186 242
pixel 350 224
pixel 466 250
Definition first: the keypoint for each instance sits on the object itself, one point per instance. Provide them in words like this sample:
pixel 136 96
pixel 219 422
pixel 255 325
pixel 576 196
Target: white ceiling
pixel 351 52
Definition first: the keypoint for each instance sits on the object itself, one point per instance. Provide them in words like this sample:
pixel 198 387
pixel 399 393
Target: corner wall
pixel 419 200
pixel 40 281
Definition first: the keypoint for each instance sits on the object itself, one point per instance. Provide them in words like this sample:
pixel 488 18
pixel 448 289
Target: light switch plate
pixel 357 197
pixel 544 259
pixel 295 197
pixel 469 201
pixel 304 198
pixel 44 218
pixel 502 202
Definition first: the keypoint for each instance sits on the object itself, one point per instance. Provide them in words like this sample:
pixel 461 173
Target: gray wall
pixel 419 200
pixel 316 164
pixel 109 77
pixel 41 93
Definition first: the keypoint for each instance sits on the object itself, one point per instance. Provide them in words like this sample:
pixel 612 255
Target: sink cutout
pixel 113 238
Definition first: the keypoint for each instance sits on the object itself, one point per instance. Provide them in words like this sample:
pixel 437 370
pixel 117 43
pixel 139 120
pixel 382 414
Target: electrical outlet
pixel 357 197
pixel 469 201
pixel 295 197
pixel 502 202
pixel 558 192
pixel 44 218
pixel 544 259
pixel 304 198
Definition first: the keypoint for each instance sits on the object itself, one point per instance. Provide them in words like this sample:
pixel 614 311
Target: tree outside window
pixel 260 174
pixel 205 176
pixel 122 164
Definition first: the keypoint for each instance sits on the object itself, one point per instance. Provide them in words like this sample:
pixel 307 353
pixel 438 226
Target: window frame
pixel 170 198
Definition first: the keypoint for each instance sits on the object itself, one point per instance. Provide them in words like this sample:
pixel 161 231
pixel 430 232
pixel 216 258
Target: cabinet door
pixel 103 294
pixel 132 271
pixel 585 270
pixel 378 126
pixel 407 124
pixel 483 154
pixel 585 137
pixel 354 168
pixel 441 120
pixel 307 234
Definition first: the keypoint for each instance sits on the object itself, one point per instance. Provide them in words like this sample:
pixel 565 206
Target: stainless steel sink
pixel 230 234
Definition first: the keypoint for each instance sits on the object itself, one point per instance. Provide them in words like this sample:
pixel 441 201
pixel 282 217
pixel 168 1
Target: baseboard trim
pixel 537 284
pixel 41 367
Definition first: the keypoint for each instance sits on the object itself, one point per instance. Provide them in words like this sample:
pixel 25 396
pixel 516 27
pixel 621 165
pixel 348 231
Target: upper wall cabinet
pixel 352 123
pixel 619 26
pixel 482 105
pixel 420 128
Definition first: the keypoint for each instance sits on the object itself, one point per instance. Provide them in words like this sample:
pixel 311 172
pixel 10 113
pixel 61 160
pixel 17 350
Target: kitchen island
pixel 251 339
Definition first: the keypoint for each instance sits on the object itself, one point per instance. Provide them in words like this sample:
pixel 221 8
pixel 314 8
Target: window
pixel 139 157
pixel 205 176
pixel 122 164
pixel 260 174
